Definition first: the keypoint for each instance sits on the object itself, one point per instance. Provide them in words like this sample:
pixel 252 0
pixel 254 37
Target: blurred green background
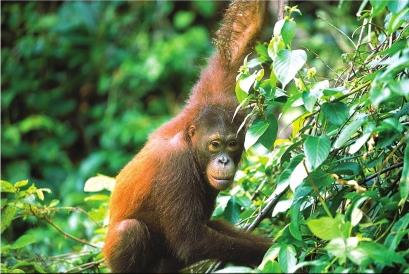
pixel 84 83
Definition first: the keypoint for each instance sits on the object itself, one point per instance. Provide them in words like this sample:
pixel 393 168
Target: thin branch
pixel 397 165
pixel 85 266
pixel 67 235
pixel 273 199
pixel 59 229
pixel 281 7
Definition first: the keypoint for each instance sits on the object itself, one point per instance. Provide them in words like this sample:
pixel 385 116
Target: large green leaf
pixel 295 220
pixel 348 131
pixel 287 64
pixel 271 255
pixel 255 131
pixel 23 241
pixel 286 258
pixel 326 228
pixel 285 28
pixel 232 211
pixel 367 132
pixel 398 231
pixel 336 113
pixel 316 150
pixel 7 216
pixel 378 6
pixel 269 136
pixel 343 248
pixel 99 183
pixel 380 254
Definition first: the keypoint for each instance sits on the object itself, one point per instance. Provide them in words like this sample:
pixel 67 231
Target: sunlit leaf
pixel 287 258
pixel 255 131
pixel 98 183
pixel 287 64
pixel 380 254
pixel 348 131
pixel 23 241
pixel 326 228
pixel 398 231
pixel 271 255
pixel 7 187
pixel 7 215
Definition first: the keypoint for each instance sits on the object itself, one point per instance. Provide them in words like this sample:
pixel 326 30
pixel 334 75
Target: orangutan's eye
pixel 214 146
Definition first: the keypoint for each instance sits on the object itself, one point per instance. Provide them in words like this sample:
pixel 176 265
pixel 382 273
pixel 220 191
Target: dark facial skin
pixel 218 150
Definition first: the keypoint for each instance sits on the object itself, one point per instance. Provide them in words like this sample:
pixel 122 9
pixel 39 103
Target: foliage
pixel 326 141
pixel 342 171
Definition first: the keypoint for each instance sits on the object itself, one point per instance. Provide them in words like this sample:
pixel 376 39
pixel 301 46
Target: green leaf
pixel 378 6
pixel 271 267
pixel 240 94
pixel 320 178
pixel 404 179
pixel 271 255
pixel 297 176
pixel 7 216
pixel 21 183
pixel 380 254
pixel 99 183
pixel 183 19
pixel 390 124
pixel 348 131
pixel 246 82
pixel 341 247
pixel 23 241
pixel 286 258
pixel 398 231
pixel 235 269
pixel 295 220
pixel 356 216
pixel 396 21
pixel 269 136
pixel 336 113
pixel 400 87
pixel 255 131
pixel 396 6
pixel 327 228
pixel 276 44
pixel 287 64
pixel 7 187
pixel 345 168
pixel 316 150
pixel 367 132
pixel 379 93
pixel 281 206
pixel 288 31
pixel 309 100
pixel 232 211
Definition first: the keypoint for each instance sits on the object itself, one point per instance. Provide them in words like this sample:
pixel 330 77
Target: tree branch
pixel 397 165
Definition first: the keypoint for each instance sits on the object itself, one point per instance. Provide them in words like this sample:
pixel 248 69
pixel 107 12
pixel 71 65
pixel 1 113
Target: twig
pixel 317 191
pixel 73 209
pixel 67 235
pixel 85 266
pixel 397 165
pixel 273 199
pixel 281 7
pixel 59 229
